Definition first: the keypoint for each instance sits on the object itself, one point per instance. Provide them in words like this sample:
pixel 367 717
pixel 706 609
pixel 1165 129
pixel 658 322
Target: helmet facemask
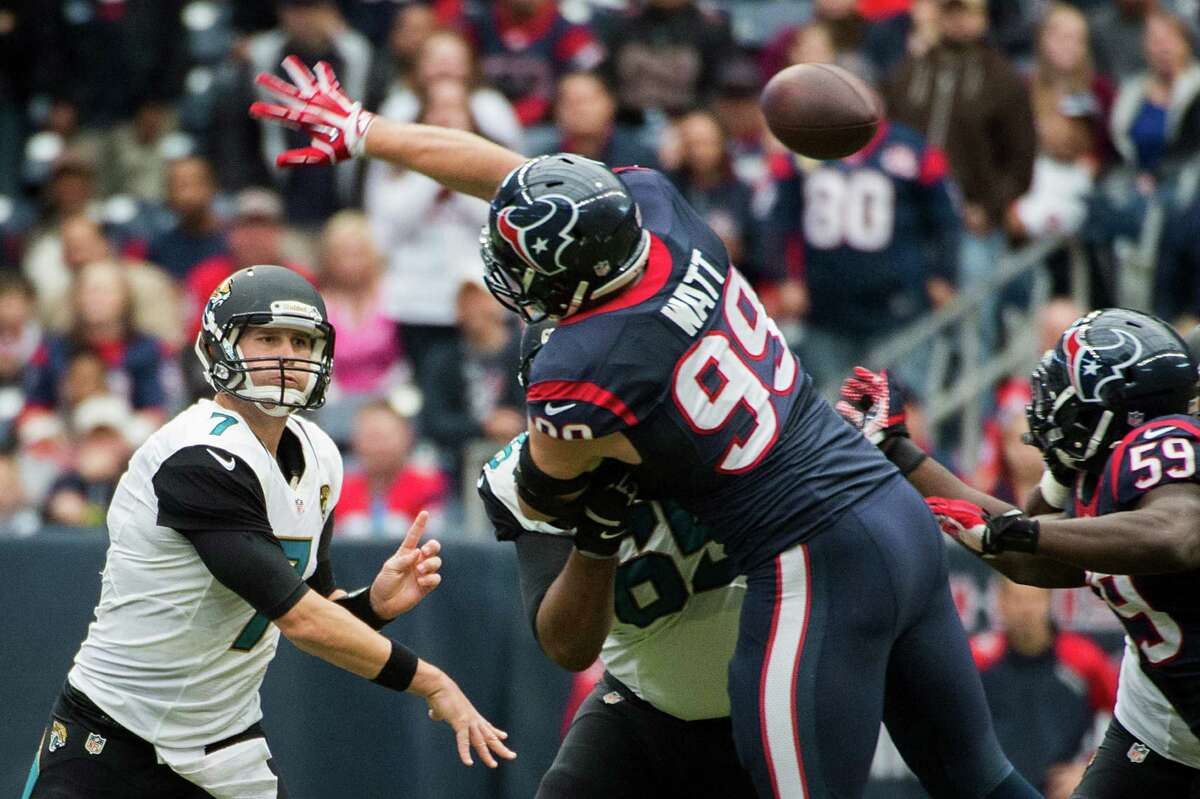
pixel 228 370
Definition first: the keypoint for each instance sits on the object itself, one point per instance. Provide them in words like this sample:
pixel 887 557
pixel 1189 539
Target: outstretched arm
pixel 1161 535
pixel 873 406
pixel 934 480
pixel 341 128
pixel 324 629
pixel 458 159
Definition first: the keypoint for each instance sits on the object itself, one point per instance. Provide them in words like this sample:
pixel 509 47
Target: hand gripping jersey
pixel 676 600
pixel 688 365
pixel 1158 698
pixel 174 655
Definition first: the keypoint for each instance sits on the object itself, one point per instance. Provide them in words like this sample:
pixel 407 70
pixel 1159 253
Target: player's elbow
pixel 572 658
pixel 1183 546
pixel 570 652
pixel 302 623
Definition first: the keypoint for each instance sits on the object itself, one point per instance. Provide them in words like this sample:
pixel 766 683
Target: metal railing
pixel 955 334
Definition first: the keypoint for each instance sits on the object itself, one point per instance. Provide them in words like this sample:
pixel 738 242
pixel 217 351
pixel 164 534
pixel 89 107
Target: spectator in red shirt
pixel 384 493
pixel 1048 689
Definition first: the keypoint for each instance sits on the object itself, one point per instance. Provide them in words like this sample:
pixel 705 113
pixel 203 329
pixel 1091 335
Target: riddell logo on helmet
pixel 295 308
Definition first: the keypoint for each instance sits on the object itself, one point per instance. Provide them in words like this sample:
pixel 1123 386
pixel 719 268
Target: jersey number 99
pixel 728 369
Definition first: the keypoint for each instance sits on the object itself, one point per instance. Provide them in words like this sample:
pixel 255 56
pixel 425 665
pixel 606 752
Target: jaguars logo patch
pixel 58 736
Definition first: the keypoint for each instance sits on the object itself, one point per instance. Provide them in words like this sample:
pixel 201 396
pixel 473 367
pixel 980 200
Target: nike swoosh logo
pixel 617 534
pixel 552 410
pixel 228 464
pixel 1158 431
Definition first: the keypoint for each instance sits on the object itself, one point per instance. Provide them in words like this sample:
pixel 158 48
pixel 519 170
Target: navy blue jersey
pixel 525 58
pixel 1160 613
pixel 868 231
pixel 688 365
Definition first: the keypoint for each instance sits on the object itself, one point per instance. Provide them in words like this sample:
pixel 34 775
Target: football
pixel 820 110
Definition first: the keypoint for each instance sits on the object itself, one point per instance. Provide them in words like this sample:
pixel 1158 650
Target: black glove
pixel 604 508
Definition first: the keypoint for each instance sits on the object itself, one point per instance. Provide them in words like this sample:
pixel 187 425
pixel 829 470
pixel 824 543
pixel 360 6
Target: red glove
pixel 979 531
pixel 316 105
pixel 872 404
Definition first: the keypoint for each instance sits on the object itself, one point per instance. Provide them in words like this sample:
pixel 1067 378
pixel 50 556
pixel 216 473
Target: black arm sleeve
pixel 540 559
pixel 253 566
pixel 212 497
pixel 322 580
pixel 540 556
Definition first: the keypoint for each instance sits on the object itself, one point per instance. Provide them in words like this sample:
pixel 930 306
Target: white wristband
pixel 1053 492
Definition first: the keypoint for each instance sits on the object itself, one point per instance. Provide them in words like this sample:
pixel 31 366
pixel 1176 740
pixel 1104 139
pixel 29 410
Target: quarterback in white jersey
pixel 662 613
pixel 219 537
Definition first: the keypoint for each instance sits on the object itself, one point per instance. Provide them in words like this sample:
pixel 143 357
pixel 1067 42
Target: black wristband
pixel 1011 532
pixel 359 603
pixel 398 672
pixel 901 451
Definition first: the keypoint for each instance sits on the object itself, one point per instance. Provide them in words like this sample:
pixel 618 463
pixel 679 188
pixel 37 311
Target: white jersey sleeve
pixel 173 655
pixel 676 601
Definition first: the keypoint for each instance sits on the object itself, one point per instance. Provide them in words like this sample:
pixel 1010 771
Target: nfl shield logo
pixel 299 505
pixel 95 743
pixel 1137 753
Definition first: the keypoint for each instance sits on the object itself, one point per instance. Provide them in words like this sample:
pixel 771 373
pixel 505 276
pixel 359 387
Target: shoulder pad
pixel 1160 452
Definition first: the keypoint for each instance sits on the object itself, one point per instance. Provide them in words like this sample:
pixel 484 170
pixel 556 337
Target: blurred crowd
pixel 132 182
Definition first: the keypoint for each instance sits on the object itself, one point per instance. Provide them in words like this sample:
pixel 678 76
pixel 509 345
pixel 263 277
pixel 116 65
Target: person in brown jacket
pixel 968 100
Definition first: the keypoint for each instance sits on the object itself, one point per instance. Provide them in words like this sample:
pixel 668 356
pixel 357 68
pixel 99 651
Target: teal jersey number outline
pixel 297 551
pixel 226 422
pixel 660 569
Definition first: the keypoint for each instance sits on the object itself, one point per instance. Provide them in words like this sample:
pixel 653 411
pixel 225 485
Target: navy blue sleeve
pixel 143 364
pixel 1161 452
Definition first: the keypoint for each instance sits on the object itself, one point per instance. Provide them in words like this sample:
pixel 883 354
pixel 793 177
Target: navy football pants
pixel 854 627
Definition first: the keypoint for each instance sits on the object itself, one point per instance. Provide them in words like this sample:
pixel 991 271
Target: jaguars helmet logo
pixel 220 293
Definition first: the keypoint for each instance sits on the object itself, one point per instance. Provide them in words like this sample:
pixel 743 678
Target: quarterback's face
pixel 277 342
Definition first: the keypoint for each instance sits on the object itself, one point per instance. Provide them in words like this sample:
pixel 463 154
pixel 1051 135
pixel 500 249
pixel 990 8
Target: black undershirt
pixel 213 498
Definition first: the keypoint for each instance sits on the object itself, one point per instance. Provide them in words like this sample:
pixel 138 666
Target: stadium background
pixel 132 182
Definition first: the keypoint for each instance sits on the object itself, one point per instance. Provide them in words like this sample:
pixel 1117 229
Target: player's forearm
pixel 932 479
pixel 458 159
pixel 326 630
pixel 576 613
pixel 1144 541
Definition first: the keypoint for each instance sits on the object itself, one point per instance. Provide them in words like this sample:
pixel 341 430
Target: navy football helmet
pixel 563 235
pixel 1112 371
pixel 265 296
